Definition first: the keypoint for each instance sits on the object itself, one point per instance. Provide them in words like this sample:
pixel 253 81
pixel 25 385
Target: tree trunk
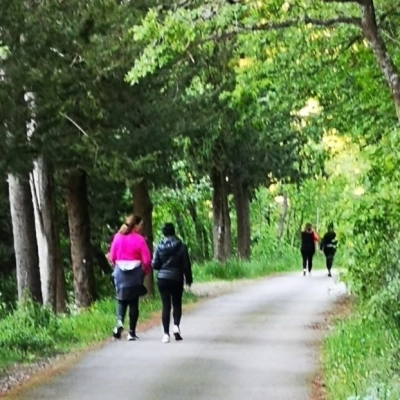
pixel 378 46
pixel 51 270
pixel 282 217
pixel 206 234
pixel 201 240
pixel 61 300
pixel 222 240
pixel 143 207
pixel 79 233
pixel 25 245
pixel 242 204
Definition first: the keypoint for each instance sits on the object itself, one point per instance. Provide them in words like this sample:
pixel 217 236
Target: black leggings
pixel 307 260
pixel 133 305
pixel 171 294
pixel 329 259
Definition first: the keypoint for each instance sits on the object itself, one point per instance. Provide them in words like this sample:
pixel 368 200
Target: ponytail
pixel 130 223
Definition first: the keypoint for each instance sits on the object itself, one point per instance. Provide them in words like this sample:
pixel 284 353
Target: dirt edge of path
pixel 22 376
pixel 341 308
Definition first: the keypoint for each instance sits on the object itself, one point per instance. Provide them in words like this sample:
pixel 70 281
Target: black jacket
pixel 307 242
pixel 329 243
pixel 171 260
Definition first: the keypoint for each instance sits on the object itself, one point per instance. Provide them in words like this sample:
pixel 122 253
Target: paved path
pixel 252 344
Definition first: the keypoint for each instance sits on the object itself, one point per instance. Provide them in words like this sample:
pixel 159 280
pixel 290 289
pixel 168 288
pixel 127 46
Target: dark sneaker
pixel 177 333
pixel 132 337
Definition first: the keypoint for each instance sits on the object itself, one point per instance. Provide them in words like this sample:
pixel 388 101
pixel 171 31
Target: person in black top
pixel 328 245
pixel 171 260
pixel 308 239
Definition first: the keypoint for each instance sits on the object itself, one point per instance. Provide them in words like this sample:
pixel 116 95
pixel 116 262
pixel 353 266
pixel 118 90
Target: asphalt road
pixel 255 343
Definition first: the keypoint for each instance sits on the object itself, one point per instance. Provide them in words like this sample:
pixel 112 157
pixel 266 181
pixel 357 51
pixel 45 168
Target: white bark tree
pixel 25 245
pixel 42 188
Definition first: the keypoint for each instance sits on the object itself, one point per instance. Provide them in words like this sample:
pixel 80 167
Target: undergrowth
pixel 32 332
pixel 284 260
pixel 361 358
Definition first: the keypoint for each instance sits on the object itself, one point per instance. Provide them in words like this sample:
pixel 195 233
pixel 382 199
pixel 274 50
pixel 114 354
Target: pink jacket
pixel 129 248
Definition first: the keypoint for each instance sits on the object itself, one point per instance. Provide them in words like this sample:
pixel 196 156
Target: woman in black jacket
pixel 328 246
pixel 171 260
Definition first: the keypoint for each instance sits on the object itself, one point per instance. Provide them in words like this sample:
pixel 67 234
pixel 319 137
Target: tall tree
pixel 47 235
pixel 143 207
pixel 80 238
pixel 222 239
pixel 25 245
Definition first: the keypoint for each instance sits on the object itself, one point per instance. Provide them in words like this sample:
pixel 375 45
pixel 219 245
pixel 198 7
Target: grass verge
pixel 32 332
pixel 361 359
pixel 281 261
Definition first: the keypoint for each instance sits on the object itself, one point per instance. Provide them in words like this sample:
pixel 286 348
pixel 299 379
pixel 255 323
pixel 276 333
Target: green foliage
pixel 187 203
pixel 298 114
pixel 8 294
pixel 361 359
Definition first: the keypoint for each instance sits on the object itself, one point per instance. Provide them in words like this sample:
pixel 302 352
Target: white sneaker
pixel 118 329
pixel 165 338
pixel 177 332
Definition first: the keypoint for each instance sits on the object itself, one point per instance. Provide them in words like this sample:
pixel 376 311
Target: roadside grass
pixel 33 332
pixel 287 260
pixel 361 358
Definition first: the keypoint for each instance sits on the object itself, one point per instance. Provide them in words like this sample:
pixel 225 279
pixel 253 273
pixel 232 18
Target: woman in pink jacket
pixel 131 259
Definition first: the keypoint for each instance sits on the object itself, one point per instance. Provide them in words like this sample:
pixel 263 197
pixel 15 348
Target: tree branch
pixel 361 2
pixel 283 25
pixel 307 20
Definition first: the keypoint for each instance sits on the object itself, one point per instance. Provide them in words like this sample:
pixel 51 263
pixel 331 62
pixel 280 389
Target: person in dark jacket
pixel 328 245
pixel 308 239
pixel 171 260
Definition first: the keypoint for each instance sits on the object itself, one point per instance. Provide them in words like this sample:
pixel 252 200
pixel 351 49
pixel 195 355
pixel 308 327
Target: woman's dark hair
pixel 168 229
pixel 130 223
pixel 308 226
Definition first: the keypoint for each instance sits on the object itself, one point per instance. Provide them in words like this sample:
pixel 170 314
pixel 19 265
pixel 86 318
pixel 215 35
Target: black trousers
pixel 329 256
pixel 307 257
pixel 171 296
pixel 133 305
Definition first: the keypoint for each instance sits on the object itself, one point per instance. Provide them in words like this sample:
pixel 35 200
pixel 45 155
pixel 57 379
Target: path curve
pixel 255 343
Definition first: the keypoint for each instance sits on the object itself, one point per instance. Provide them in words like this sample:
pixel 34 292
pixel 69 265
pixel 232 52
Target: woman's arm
pixel 145 256
pixel 112 255
pixel 187 267
pixel 156 263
